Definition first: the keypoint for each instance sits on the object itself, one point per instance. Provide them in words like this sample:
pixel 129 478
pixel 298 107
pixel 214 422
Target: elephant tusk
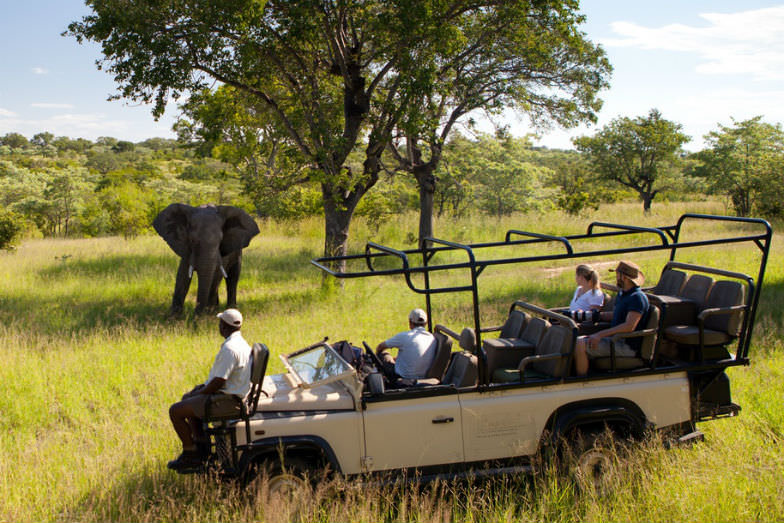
pixel 223 271
pixel 190 271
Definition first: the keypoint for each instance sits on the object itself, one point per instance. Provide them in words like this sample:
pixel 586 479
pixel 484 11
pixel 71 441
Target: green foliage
pixel 42 139
pixel 103 162
pixel 639 153
pixel 123 146
pixel 128 207
pixel 745 162
pixel 14 140
pixel 325 80
pixel 493 175
pixel 11 226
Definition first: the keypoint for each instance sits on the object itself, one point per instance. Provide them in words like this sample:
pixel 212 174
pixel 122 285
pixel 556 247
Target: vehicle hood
pixel 281 394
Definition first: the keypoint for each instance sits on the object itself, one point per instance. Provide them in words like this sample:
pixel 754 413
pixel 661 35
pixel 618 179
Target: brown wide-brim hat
pixel 631 271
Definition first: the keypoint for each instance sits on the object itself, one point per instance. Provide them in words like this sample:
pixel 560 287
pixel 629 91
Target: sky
pixel 701 63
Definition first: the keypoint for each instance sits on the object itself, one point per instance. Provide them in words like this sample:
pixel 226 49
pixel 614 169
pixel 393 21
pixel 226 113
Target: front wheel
pixel 287 483
pixel 286 479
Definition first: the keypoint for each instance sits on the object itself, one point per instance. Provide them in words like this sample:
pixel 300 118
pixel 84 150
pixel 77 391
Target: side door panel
pixel 413 432
pixel 509 422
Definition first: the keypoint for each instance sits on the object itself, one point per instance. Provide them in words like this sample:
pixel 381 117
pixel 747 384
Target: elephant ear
pixel 172 225
pixel 238 229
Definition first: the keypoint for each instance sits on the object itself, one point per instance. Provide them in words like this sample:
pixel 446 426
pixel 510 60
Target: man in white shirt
pixel 230 374
pixel 416 349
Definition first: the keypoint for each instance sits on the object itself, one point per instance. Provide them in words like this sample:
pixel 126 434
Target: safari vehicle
pixel 497 401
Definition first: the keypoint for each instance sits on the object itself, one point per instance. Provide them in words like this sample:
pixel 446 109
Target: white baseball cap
pixel 231 317
pixel 417 317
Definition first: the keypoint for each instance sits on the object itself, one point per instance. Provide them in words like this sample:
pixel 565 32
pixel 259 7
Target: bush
pixel 11 225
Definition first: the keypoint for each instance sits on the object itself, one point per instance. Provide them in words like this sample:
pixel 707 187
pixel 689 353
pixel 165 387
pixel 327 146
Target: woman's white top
pixel 590 299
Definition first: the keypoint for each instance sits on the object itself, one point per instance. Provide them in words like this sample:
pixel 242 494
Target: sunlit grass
pixel 91 362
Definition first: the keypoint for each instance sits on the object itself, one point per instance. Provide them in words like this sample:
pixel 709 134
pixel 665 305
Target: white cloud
pixel 5 113
pixel 748 42
pixel 52 106
pixel 39 70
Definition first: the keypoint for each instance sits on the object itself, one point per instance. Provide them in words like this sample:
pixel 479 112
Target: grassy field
pixel 90 364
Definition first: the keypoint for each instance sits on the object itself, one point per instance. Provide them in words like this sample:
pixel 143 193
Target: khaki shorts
pixel 197 402
pixel 602 350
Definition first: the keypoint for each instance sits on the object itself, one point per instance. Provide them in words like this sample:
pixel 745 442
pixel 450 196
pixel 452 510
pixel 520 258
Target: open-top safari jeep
pixel 493 404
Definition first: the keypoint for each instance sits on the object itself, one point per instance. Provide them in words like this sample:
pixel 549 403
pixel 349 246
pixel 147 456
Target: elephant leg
pixel 232 278
pixel 181 286
pixel 212 298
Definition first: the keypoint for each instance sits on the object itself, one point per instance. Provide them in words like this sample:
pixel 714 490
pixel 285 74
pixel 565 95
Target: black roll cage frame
pixel 668 237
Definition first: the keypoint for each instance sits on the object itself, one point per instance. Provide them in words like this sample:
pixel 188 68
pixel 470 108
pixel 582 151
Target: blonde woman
pixel 588 296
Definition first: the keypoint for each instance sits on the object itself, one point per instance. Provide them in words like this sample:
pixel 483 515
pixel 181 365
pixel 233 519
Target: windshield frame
pixel 327 349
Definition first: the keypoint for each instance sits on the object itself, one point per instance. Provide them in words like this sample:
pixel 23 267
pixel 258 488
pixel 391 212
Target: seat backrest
pixel 696 289
pixel 463 370
pixel 441 360
pixel 649 342
pixel 670 283
pixel 725 293
pixel 609 303
pixel 557 340
pixel 534 331
pixel 515 323
pixel 467 340
pixel 258 368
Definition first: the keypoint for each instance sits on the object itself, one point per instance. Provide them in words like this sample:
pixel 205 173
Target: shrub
pixel 11 225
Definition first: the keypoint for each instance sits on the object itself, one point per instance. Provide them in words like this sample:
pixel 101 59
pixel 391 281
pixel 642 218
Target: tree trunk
pixel 427 188
pixel 646 203
pixel 338 210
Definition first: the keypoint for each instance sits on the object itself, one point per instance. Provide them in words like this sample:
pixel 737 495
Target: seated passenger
pixel 416 349
pixel 588 296
pixel 630 307
pixel 230 374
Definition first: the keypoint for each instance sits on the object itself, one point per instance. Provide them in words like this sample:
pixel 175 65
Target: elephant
pixel 208 239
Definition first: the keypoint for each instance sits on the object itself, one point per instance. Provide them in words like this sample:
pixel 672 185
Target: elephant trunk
pixel 207 268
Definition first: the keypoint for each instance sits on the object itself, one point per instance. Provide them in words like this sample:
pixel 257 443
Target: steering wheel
pixel 377 362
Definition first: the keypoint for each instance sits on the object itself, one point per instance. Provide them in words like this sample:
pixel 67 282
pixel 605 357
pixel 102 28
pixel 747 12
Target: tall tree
pixel 744 162
pixel 320 67
pixel 335 74
pixel 638 153
pixel 530 58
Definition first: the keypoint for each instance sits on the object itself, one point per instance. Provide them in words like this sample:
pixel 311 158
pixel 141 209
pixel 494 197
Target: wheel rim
pixel 285 484
pixel 593 466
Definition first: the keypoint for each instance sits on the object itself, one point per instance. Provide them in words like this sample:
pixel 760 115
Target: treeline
pixel 64 187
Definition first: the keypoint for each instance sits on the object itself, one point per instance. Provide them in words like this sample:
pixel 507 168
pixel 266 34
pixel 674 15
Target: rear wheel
pixel 592 459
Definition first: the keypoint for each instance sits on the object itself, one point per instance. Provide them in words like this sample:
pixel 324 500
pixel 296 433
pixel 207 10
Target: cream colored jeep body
pixel 324 416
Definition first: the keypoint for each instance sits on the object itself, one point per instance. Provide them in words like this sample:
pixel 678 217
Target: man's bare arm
pixel 215 385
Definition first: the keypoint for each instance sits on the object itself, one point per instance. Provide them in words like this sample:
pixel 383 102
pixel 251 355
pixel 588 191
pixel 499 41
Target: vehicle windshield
pixel 317 365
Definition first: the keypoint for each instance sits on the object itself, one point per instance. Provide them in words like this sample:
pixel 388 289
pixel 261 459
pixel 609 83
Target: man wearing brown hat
pixel 631 305
pixel 230 374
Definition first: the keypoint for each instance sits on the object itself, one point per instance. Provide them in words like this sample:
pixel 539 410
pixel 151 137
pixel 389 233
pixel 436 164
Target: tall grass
pixel 90 363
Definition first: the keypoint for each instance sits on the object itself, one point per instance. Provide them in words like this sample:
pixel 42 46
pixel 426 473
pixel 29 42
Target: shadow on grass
pixel 135 290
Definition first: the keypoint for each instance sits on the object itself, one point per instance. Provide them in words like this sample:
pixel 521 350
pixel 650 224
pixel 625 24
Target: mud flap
pixel 711 396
